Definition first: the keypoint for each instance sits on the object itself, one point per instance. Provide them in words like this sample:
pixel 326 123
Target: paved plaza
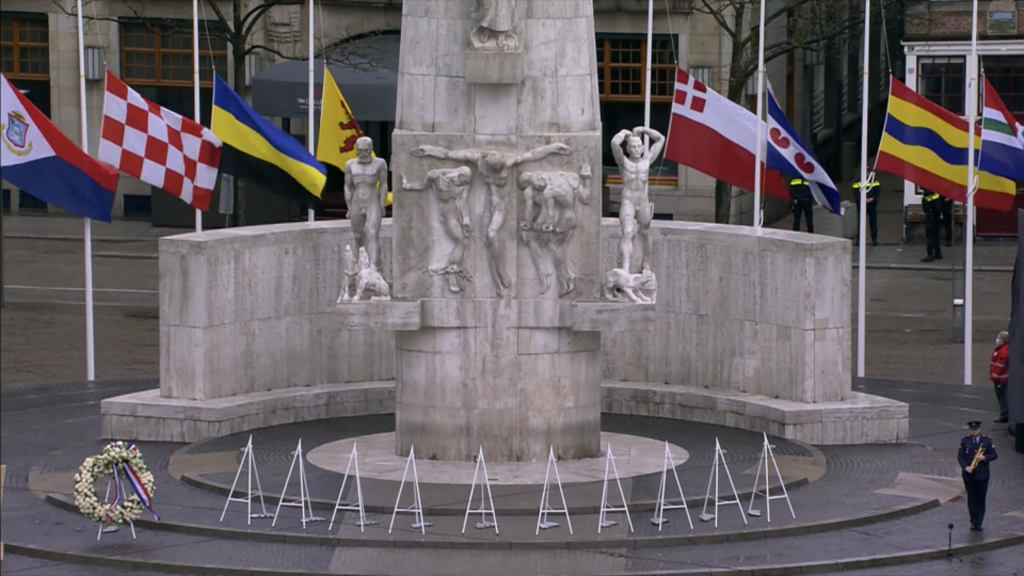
pixel 876 509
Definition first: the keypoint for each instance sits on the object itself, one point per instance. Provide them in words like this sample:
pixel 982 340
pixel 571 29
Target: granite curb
pixel 776 570
pixel 631 542
pixel 640 506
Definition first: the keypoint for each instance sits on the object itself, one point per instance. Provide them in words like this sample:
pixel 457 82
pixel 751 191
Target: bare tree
pixel 810 25
pixel 236 28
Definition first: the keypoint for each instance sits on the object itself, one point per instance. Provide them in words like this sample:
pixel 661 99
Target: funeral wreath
pixel 129 491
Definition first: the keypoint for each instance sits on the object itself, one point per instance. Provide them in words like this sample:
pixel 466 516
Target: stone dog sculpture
pixel 621 286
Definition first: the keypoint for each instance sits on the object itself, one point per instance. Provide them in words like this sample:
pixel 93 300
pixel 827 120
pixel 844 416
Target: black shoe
pixel 949 243
pixel 938 256
pixel 975 528
pixel 874 242
pixel 1001 420
pixel 928 259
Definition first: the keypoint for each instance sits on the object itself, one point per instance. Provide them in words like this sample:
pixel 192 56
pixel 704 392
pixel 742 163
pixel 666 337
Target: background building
pixel 937 46
pixel 148 44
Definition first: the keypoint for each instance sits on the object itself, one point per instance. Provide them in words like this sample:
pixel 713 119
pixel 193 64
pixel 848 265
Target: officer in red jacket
pixel 999 373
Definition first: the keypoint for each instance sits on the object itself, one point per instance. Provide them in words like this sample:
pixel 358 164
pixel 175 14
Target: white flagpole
pixel 647 79
pixel 862 232
pixel 310 143
pixel 195 85
pixel 760 123
pixel 972 116
pixel 90 361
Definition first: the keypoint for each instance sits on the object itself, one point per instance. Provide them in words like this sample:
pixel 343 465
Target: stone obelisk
pixel 496 229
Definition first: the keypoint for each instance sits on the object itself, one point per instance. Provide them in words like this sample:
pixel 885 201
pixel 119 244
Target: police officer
pixel 801 202
pixel 976 475
pixel 872 192
pixel 947 220
pixel 931 203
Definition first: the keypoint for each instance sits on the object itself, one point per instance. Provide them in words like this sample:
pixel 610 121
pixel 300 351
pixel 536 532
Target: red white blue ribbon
pixel 138 487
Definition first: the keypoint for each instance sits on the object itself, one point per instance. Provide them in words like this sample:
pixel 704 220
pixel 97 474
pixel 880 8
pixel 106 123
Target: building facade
pixel 148 44
pixel 937 48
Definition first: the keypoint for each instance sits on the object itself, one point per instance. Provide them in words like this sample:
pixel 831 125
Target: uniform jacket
pixel 966 455
pixel 874 190
pixel 800 191
pixel 998 367
pixel 931 208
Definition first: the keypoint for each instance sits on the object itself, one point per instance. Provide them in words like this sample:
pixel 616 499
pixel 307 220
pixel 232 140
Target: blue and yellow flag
pixel 926 144
pixel 258 151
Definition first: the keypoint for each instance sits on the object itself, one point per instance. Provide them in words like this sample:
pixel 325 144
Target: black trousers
pixel 805 208
pixel 931 231
pixel 1004 410
pixel 977 491
pixel 872 220
pixel 947 220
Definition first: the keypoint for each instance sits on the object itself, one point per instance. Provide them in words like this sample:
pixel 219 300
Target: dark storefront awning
pixel 365 69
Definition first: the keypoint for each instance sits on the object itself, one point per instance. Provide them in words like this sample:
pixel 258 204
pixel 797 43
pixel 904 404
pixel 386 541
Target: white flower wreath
pixel 125 459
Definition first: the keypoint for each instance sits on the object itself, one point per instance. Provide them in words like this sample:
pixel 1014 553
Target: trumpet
pixel 977 456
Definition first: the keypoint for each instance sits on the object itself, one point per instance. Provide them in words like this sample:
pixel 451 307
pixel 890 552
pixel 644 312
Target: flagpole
pixel 647 79
pixel 862 254
pixel 972 116
pixel 310 143
pixel 195 85
pixel 90 356
pixel 758 156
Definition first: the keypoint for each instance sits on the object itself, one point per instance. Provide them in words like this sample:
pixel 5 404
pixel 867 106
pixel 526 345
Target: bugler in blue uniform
pixel 976 474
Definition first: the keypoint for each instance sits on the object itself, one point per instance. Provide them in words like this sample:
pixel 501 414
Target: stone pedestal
pixel 484 67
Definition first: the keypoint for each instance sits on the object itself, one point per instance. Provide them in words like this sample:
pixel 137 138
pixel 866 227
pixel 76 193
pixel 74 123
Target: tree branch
pixel 719 17
pixel 252 17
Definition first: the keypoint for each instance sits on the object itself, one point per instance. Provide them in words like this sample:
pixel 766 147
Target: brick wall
pixel 955 23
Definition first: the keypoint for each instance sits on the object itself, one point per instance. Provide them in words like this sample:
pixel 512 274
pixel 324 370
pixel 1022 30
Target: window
pixel 621 64
pixel 1006 73
pixel 25 42
pixel 156 60
pixel 941 80
pixel 161 54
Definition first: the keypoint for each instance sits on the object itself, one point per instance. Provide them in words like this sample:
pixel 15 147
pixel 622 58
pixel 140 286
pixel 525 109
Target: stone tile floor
pixel 49 430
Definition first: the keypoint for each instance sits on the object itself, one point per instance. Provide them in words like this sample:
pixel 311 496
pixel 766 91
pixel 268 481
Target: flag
pixel 1002 147
pixel 178 155
pixel 716 136
pixel 338 128
pixel 927 145
pixel 38 158
pixel 789 155
pixel 258 151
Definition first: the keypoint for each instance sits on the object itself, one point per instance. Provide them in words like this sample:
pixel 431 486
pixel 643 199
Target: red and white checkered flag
pixel 157 146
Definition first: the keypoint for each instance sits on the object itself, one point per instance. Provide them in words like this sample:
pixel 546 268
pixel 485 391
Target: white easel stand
pixel 603 521
pixel 704 516
pixel 249 463
pixel 416 508
pixel 304 501
pixel 485 491
pixel 111 528
pixel 659 508
pixel 353 460
pixel 766 455
pixel 545 499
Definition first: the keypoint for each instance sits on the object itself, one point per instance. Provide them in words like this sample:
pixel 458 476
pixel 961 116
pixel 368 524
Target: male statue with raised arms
pixel 494 167
pixel 636 207
pixel 366 189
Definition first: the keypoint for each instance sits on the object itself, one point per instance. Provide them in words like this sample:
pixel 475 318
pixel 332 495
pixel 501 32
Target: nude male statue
pixel 557 194
pixel 452 187
pixel 366 189
pixel 636 207
pixel 493 167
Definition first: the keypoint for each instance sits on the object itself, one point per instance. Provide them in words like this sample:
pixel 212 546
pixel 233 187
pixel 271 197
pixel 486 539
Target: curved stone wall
pixel 252 309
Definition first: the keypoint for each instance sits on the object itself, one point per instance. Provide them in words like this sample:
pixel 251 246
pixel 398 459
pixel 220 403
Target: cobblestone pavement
pixel 848 485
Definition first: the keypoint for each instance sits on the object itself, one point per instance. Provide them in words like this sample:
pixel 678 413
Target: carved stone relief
pixel 494 167
pixel 636 211
pixel 348 275
pixel 546 233
pixel 366 189
pixel 495 22
pixel 622 286
pixel 361 279
pixel 451 185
